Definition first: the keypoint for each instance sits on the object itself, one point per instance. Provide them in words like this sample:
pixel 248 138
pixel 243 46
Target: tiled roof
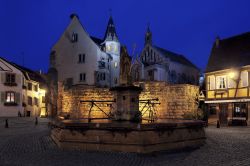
pixel 232 52
pixel 30 74
pixel 97 40
pixel 175 57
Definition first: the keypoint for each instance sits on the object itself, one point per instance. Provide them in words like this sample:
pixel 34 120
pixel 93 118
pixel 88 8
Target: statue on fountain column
pixel 125 67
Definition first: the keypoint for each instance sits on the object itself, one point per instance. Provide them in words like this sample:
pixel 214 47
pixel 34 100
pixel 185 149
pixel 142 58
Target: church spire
pixel 110 33
pixel 148 36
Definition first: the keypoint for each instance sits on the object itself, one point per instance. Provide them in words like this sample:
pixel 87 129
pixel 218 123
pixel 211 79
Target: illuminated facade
pixel 227 80
pixel 80 59
pixel 22 91
pixel 158 64
pixel 10 89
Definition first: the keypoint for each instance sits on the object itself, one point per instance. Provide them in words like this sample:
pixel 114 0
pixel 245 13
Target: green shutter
pixel 18 79
pixel 2 97
pixel 2 77
pixel 17 98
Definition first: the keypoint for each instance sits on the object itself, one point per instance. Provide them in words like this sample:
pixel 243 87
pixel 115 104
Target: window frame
pixel 11 93
pixel 82 77
pixel 30 102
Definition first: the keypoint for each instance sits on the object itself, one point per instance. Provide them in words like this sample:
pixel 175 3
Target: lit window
pixel 244 78
pixel 240 110
pixel 10 97
pixel 211 82
pixel 108 48
pixel 115 64
pixel 221 82
pixel 82 77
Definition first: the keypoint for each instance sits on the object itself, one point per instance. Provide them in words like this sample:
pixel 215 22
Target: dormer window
pixel 74 37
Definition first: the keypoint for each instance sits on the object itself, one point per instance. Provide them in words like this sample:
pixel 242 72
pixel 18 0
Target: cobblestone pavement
pixel 24 144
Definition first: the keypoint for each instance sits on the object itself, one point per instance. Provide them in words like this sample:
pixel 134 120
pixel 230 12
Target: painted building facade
pixel 227 81
pixel 22 91
pixel 10 89
pixel 80 59
pixel 158 64
pixel 33 93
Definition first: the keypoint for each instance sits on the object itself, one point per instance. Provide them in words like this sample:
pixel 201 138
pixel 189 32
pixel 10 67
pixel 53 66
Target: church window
pixel 82 77
pixel 81 58
pixel 74 37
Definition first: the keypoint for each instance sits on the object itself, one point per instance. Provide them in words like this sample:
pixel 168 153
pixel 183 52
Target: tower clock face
pixel 112 47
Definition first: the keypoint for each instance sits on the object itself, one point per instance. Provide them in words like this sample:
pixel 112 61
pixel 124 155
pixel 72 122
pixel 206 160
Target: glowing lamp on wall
pixel 232 75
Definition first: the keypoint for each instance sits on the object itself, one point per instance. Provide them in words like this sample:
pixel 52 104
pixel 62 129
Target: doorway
pixel 223 114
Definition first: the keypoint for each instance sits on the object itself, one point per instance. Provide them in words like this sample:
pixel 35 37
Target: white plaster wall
pixel 9 111
pixel 34 109
pixel 67 54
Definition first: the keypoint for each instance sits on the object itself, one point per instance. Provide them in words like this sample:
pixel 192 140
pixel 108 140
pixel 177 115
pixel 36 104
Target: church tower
pixel 112 47
pixel 148 37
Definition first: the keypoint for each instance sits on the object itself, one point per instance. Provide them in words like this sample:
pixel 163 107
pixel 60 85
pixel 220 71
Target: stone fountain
pixel 125 130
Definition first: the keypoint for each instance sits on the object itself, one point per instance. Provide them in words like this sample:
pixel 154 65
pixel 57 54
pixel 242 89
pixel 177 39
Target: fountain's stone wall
pixel 175 99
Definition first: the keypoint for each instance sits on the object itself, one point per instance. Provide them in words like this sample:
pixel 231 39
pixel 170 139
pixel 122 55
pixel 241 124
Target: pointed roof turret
pixel 110 33
pixel 148 36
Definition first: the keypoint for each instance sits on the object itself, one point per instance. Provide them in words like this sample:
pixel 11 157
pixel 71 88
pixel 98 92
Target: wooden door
pixel 223 114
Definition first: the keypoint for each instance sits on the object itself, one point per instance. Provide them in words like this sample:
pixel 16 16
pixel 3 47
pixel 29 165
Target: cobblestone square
pixel 27 144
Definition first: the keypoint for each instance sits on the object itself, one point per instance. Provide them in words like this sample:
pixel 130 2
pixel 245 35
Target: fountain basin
pixel 105 135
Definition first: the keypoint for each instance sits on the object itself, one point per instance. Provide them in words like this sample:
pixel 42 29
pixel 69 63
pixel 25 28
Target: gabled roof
pixel 229 53
pixel 30 74
pixel 175 57
pixel 110 33
pixel 97 40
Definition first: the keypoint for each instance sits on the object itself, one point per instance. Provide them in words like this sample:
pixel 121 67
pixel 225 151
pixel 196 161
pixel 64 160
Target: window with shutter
pixel 231 83
pixel 17 98
pixel 211 82
pixel 2 97
pixel 244 78
pixel 2 78
pixel 10 79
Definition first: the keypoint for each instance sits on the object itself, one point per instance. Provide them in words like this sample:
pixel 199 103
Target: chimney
pixel 217 41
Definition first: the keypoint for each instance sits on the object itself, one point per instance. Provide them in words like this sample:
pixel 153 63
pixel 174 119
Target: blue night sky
pixel 29 28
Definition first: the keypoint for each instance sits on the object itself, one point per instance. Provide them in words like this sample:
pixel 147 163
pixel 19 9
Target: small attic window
pixel 74 37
